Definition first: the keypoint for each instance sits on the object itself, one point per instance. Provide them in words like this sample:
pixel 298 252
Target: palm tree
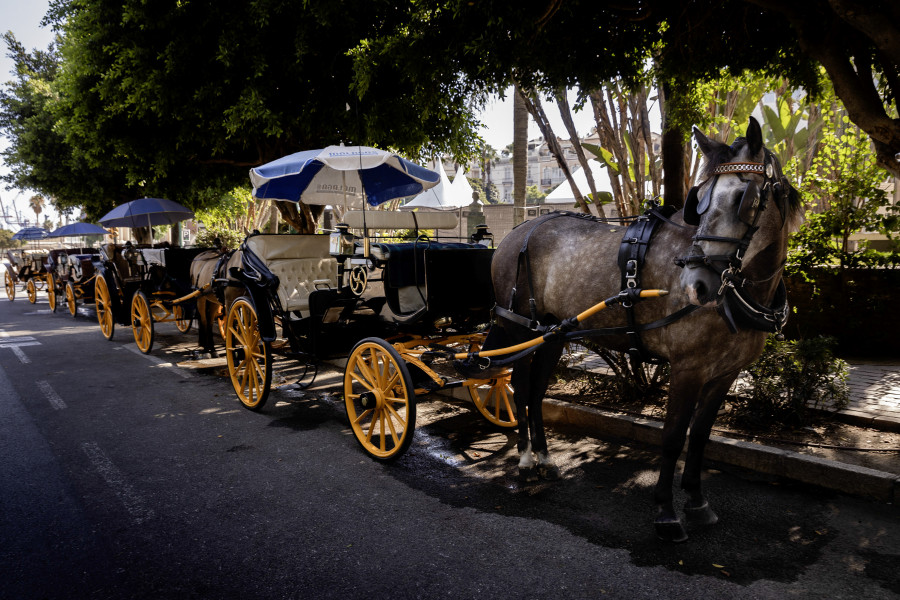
pixel 489 156
pixel 36 203
pixel 520 155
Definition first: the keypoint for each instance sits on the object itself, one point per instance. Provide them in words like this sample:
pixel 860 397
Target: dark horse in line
pixel 723 254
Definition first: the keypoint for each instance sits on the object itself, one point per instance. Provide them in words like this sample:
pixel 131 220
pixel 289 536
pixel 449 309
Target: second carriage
pixel 140 286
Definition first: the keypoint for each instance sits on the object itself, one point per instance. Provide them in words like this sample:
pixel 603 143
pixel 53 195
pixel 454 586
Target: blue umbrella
pixel 31 233
pixel 78 229
pixel 145 212
pixel 341 175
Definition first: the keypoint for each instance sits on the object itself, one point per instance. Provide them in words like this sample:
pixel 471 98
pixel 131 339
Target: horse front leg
pixel 696 508
pixel 520 382
pixel 536 461
pixel 683 392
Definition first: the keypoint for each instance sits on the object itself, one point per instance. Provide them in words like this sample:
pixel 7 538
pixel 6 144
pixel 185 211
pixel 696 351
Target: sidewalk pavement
pixel 874 390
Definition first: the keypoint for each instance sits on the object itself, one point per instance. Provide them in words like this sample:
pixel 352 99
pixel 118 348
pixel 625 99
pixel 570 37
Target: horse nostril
pixel 701 290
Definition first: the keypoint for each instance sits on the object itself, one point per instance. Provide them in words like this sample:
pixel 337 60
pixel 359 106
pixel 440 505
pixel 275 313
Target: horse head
pixel 744 206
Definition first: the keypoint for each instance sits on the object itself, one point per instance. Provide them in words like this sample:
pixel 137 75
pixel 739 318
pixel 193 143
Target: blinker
pixel 749 205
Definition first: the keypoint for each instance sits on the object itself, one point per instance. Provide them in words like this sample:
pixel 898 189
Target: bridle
pixel 728 267
pixel 753 202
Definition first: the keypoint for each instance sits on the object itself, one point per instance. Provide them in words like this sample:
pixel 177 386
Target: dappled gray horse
pixel 721 260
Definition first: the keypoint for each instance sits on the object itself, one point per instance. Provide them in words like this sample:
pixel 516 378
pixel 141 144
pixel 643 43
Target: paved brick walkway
pixel 874 395
pixel 874 390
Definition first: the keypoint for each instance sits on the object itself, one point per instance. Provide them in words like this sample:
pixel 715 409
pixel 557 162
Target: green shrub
pixel 230 239
pixel 789 380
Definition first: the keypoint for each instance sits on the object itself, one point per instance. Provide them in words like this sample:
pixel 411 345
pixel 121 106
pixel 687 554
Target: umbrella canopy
pixel 145 212
pixel 74 229
pixel 31 233
pixel 341 175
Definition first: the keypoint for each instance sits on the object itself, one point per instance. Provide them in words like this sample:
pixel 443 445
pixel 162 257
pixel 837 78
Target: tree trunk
pixel 566 113
pixel 672 155
pixel 533 104
pixel 520 156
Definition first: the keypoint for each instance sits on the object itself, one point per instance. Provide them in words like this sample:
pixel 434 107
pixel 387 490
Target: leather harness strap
pixel 632 251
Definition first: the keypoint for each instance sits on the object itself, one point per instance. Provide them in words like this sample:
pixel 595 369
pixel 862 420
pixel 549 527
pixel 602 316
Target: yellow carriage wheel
pixel 494 399
pixel 51 292
pixel 71 299
pixel 249 356
pixel 10 287
pixel 104 308
pixel 142 322
pixel 183 318
pixel 32 291
pixel 380 399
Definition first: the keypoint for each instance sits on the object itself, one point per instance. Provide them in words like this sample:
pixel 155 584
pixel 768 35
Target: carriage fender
pixel 265 320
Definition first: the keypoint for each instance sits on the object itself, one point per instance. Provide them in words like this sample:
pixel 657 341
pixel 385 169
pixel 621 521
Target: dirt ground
pixel 826 436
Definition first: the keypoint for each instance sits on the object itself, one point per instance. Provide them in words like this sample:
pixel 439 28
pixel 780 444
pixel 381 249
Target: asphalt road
pixel 128 476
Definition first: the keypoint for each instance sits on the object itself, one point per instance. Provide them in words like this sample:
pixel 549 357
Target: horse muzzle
pixel 701 286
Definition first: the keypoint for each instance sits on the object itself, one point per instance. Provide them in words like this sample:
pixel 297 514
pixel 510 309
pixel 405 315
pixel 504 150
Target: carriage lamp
pixel 341 241
pixel 483 236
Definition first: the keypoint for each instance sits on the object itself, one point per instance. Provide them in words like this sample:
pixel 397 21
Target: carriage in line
pixel 26 267
pixel 70 276
pixel 140 286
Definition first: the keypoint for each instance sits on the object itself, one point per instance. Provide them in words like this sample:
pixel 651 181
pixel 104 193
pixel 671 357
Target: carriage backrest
pixel 389 219
pixel 113 253
pixel 302 264
pixel 436 278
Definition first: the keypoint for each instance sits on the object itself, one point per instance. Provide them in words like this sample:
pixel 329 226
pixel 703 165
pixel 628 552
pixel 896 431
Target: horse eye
pixel 737 196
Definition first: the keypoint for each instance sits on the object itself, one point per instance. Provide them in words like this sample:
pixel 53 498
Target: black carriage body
pixel 128 269
pixel 423 285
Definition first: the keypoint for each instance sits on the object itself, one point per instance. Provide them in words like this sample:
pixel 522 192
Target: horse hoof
pixel 550 472
pixel 670 531
pixel 528 474
pixel 700 515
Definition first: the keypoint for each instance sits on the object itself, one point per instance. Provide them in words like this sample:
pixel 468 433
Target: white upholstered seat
pixel 301 263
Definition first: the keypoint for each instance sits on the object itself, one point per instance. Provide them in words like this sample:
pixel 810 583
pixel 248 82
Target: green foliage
pixel 844 189
pixel 224 217
pixel 790 379
pixel 228 238
pixel 6 240
pixel 534 195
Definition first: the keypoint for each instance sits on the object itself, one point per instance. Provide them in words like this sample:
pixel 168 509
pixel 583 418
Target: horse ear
pixel 707 145
pixel 754 136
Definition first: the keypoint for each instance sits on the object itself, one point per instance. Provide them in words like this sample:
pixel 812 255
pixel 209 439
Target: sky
pixel 23 19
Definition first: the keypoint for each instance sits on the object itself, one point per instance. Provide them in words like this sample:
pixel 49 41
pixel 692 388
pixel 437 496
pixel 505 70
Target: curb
pixel 828 474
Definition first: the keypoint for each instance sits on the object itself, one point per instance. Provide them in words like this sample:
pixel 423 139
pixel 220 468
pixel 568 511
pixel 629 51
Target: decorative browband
pixel 740 167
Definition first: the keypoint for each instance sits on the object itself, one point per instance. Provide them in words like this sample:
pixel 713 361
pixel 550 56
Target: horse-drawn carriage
pixel 302 294
pixel 70 275
pixel 140 286
pixel 26 267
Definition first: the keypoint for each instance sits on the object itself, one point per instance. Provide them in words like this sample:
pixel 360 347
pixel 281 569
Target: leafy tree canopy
pixel 186 97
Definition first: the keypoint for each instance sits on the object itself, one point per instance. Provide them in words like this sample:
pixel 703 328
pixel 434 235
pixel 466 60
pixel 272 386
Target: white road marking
pixel 160 362
pixel 52 397
pixel 134 504
pixel 16 343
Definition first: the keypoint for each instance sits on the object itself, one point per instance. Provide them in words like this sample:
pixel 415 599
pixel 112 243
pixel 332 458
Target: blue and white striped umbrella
pixel 342 175
pixel 31 233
